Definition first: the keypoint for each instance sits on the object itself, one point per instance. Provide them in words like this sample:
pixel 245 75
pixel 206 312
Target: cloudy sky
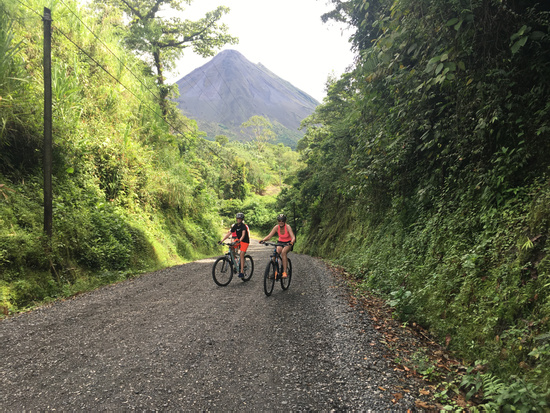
pixel 286 36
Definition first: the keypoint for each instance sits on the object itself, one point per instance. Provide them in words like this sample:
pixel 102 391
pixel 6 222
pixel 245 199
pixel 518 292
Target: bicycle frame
pixel 236 261
pixel 276 258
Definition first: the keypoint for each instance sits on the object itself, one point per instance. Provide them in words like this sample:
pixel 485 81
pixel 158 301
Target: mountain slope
pixel 229 89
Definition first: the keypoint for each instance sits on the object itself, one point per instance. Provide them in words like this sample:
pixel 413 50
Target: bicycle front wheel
pixel 248 267
pixel 222 271
pixel 269 278
pixel 285 282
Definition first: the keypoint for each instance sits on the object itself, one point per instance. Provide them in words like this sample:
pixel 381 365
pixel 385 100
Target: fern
pixel 518 396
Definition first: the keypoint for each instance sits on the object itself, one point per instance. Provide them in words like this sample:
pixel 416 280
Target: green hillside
pixel 427 178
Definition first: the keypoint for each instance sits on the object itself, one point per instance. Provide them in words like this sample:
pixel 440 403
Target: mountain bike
pixel 227 265
pixel 274 269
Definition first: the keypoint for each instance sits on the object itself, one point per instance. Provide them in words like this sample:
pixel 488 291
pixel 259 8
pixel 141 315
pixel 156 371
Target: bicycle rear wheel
pixel 222 271
pixel 285 282
pixel 248 267
pixel 269 278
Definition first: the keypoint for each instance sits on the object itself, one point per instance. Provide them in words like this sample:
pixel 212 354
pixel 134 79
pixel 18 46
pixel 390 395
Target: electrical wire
pixel 110 51
pixel 122 63
pixel 54 27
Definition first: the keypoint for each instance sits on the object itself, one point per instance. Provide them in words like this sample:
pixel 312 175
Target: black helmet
pixel 239 215
pixel 281 217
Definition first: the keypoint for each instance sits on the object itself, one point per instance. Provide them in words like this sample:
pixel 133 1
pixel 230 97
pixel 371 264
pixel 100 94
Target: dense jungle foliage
pixel 427 177
pixel 133 190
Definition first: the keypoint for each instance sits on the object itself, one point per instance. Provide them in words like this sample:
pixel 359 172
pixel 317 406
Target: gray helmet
pixel 281 217
pixel 239 215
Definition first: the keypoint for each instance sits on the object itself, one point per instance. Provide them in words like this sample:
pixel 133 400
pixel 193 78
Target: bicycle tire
pixel 248 267
pixel 222 271
pixel 285 282
pixel 269 278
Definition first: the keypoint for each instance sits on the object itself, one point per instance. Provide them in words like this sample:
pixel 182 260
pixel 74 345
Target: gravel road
pixel 172 340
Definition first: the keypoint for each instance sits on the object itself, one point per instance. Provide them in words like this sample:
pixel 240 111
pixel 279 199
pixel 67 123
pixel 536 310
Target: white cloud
pixel 286 36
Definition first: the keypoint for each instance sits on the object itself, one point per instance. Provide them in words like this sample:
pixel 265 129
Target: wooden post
pixel 47 19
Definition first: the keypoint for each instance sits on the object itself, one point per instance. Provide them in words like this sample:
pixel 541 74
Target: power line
pixel 132 93
pixel 106 70
pixel 110 74
pixel 139 80
pixel 114 77
pixel 107 47
pixel 30 8
pixel 126 67
pixel 228 88
pixel 202 90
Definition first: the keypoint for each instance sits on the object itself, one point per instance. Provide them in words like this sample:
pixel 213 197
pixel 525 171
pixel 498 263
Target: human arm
pixel 226 235
pixel 292 236
pixel 273 231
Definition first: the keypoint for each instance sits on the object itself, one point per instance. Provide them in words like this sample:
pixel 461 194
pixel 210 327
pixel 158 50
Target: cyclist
pixel 285 234
pixel 241 236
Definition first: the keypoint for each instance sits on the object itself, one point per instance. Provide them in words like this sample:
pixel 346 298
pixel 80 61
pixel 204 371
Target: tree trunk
pixel 163 90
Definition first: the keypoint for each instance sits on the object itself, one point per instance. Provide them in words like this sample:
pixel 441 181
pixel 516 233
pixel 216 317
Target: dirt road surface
pixel 172 341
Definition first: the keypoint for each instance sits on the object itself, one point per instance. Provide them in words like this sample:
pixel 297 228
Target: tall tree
pixel 157 33
pixel 260 129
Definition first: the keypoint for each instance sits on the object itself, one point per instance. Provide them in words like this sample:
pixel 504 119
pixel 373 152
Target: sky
pixel 286 36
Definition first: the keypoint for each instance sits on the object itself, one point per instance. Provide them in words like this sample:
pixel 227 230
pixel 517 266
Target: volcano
pixel 229 89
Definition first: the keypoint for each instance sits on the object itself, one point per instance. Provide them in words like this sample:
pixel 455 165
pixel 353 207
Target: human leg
pixel 242 251
pixel 242 261
pixel 285 259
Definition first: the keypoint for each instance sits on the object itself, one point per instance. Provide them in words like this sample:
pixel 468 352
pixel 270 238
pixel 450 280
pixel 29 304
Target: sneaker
pixel 241 275
pixel 285 275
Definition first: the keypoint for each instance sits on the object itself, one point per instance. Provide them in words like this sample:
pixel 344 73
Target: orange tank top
pixel 284 237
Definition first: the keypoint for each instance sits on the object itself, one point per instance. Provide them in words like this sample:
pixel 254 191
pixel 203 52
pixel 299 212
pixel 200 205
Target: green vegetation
pixel 252 179
pixel 135 186
pixel 425 173
pixel 427 176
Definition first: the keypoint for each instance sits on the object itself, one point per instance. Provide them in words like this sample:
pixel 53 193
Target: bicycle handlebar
pixel 276 244
pixel 229 244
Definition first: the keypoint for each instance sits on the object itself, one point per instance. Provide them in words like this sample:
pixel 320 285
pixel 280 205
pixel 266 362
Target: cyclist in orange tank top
pixel 285 235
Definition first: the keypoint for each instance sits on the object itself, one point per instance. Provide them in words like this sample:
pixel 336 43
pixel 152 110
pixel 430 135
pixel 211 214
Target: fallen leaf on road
pixel 423 405
pixel 397 397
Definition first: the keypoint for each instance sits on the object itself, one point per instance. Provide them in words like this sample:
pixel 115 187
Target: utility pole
pixel 47 19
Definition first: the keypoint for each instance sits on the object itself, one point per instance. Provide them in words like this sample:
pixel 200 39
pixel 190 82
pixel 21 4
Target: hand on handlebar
pixel 262 241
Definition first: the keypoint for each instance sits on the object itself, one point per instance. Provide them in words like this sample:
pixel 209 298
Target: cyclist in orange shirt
pixel 239 233
pixel 285 235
